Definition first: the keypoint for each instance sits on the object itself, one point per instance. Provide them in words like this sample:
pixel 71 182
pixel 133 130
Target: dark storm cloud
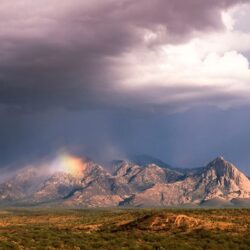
pixel 59 53
pixel 59 59
pixel 187 139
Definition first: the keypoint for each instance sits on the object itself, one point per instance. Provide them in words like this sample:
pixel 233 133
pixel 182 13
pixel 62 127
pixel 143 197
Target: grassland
pixel 125 229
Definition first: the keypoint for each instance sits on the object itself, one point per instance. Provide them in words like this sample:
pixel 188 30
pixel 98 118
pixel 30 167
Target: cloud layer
pixel 99 76
pixel 80 54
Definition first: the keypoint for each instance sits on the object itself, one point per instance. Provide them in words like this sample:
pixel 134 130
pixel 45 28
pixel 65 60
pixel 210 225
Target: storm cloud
pixel 117 76
pixel 69 53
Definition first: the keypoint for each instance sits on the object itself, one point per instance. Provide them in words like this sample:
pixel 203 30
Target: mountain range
pixel 140 182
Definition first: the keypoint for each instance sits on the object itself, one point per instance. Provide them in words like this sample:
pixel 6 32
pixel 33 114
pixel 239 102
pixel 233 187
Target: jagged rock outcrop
pixel 140 178
pixel 23 184
pixel 59 185
pixel 220 182
pixel 221 179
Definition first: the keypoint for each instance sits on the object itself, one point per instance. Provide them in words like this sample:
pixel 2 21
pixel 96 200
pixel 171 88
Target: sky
pixel 167 78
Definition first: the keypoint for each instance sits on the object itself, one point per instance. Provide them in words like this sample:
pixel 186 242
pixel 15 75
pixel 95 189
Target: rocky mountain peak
pixel 131 184
pixel 218 160
pixel 222 167
pixel 126 168
pixel 221 179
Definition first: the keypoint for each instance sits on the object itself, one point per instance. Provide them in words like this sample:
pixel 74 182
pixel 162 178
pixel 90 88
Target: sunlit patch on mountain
pixel 69 164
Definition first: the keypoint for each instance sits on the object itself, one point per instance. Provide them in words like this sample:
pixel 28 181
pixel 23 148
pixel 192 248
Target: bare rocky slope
pixel 219 183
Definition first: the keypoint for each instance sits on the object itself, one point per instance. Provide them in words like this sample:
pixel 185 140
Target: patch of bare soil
pixel 170 222
pixel 88 228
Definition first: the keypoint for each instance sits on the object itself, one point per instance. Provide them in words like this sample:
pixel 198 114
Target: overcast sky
pixel 168 78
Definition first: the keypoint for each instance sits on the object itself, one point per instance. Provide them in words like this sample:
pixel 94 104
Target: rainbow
pixel 69 164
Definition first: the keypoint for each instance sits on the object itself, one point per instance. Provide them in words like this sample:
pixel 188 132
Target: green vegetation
pixel 125 229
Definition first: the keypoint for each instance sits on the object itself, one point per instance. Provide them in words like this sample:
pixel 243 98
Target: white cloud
pixel 67 49
pixel 184 64
pixel 209 64
pixel 228 21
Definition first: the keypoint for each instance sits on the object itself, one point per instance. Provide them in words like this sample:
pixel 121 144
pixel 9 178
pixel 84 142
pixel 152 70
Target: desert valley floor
pixel 125 229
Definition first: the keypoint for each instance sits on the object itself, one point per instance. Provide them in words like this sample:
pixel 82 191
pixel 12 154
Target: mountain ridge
pixel 131 184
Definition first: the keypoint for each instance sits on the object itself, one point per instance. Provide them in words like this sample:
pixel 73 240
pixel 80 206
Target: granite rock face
pixel 130 185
